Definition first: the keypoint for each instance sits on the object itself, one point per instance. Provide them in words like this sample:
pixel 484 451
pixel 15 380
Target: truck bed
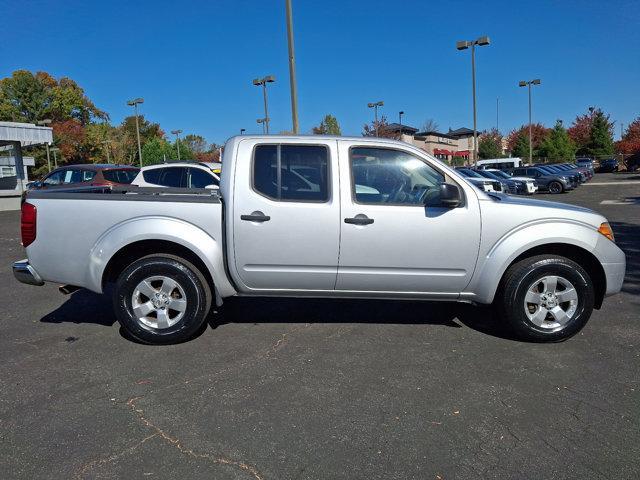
pixel 79 227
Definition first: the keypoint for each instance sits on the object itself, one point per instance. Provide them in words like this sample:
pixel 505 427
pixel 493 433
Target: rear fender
pixel 207 248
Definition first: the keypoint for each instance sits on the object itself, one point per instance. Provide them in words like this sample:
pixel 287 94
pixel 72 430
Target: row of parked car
pixel 527 180
pixel 178 175
pixel 522 180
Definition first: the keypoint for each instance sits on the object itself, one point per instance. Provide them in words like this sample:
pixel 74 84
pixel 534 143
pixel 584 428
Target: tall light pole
pixel 463 45
pixel 400 113
pixel 375 106
pixel 177 134
pixel 263 82
pixel 262 121
pixel 524 83
pixel 42 123
pixel 292 70
pixel 134 103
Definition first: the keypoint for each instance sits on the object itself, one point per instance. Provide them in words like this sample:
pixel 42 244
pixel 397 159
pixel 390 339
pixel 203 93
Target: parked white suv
pixel 179 175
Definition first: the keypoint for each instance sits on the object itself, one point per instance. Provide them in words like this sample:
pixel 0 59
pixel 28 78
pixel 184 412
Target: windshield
pixel 486 174
pixel 469 173
pixel 501 174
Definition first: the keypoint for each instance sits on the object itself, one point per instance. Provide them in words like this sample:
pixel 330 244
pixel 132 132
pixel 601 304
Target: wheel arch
pixel 575 241
pixel 137 238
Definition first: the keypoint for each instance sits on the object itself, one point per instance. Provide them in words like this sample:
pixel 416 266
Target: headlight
pixel 566 179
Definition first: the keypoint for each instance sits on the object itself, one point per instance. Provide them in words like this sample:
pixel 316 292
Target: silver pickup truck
pixel 323 217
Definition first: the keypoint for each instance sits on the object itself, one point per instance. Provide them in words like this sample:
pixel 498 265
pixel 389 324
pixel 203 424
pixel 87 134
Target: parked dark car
pixel 574 177
pixel 608 165
pixel 584 173
pixel 586 163
pixel 509 185
pixel 86 175
pixel 547 181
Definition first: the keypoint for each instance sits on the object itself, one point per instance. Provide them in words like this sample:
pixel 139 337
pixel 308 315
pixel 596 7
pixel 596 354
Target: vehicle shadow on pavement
pixel 628 239
pixel 400 312
pixel 83 306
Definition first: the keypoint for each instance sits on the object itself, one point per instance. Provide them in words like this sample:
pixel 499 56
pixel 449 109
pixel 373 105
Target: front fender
pixel 207 248
pixel 499 255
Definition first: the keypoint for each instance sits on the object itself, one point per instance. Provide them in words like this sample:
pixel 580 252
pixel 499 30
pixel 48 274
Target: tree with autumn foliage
pixel 630 142
pixel 369 129
pixel 490 144
pixel 588 141
pixel 518 140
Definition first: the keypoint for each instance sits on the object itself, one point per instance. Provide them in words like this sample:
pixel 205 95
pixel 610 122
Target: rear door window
pixel 292 172
pixel 120 175
pixel 199 178
pixel 172 177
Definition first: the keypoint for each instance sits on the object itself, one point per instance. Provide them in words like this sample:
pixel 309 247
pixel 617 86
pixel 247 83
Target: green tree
pixel 490 144
pixel 157 150
pixel 601 135
pixel 28 97
pixel 328 126
pixel 185 151
pixel 557 145
pixel 195 143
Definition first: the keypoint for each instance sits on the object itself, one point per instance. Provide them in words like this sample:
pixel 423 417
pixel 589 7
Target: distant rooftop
pixel 460 132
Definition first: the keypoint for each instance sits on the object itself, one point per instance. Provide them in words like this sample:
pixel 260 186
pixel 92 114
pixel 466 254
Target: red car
pixel 86 175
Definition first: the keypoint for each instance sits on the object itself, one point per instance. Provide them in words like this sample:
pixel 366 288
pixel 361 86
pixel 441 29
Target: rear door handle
pixel 359 219
pixel 256 217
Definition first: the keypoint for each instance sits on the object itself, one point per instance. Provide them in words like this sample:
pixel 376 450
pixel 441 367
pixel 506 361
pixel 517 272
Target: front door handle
pixel 256 216
pixel 359 219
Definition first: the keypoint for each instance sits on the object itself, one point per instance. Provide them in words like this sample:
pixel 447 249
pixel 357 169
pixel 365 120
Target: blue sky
pixel 193 61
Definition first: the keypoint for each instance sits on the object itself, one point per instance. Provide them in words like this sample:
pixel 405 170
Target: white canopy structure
pixel 14 136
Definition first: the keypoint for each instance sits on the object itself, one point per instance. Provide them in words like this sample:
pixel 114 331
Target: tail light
pixel 28 224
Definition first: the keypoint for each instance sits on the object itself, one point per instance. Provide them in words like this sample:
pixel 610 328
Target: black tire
pixel 556 187
pixel 510 298
pixel 191 283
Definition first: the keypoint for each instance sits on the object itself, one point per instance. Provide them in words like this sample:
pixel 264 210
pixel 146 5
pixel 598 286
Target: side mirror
pixel 450 195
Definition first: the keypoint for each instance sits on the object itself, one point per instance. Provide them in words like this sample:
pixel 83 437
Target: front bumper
pixel 614 273
pixel 25 273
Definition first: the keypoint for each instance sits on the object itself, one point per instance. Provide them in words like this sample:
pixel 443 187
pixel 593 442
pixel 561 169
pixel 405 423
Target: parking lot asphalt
pixel 310 389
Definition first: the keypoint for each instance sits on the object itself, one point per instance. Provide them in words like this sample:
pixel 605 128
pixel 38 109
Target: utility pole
pixel 292 70
pixel 400 122
pixel 497 113
pixel 134 103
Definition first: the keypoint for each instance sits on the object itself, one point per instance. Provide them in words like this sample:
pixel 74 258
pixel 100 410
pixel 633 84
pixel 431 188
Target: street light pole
pixel 134 103
pixel 55 158
pixel 528 84
pixel 242 130
pixel 263 82
pixel 292 70
pixel 43 123
pixel 463 45
pixel 375 106
pixel 262 121
pixel 177 134
pixel 400 122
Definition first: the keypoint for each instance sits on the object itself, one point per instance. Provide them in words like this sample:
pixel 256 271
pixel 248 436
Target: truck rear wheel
pixel 161 299
pixel 546 298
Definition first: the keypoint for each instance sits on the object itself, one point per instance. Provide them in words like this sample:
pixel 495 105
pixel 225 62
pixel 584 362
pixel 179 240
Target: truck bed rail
pixel 129 193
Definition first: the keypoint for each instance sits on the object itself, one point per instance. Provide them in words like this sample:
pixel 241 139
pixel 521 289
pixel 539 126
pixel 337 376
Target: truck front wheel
pixel 546 298
pixel 161 299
